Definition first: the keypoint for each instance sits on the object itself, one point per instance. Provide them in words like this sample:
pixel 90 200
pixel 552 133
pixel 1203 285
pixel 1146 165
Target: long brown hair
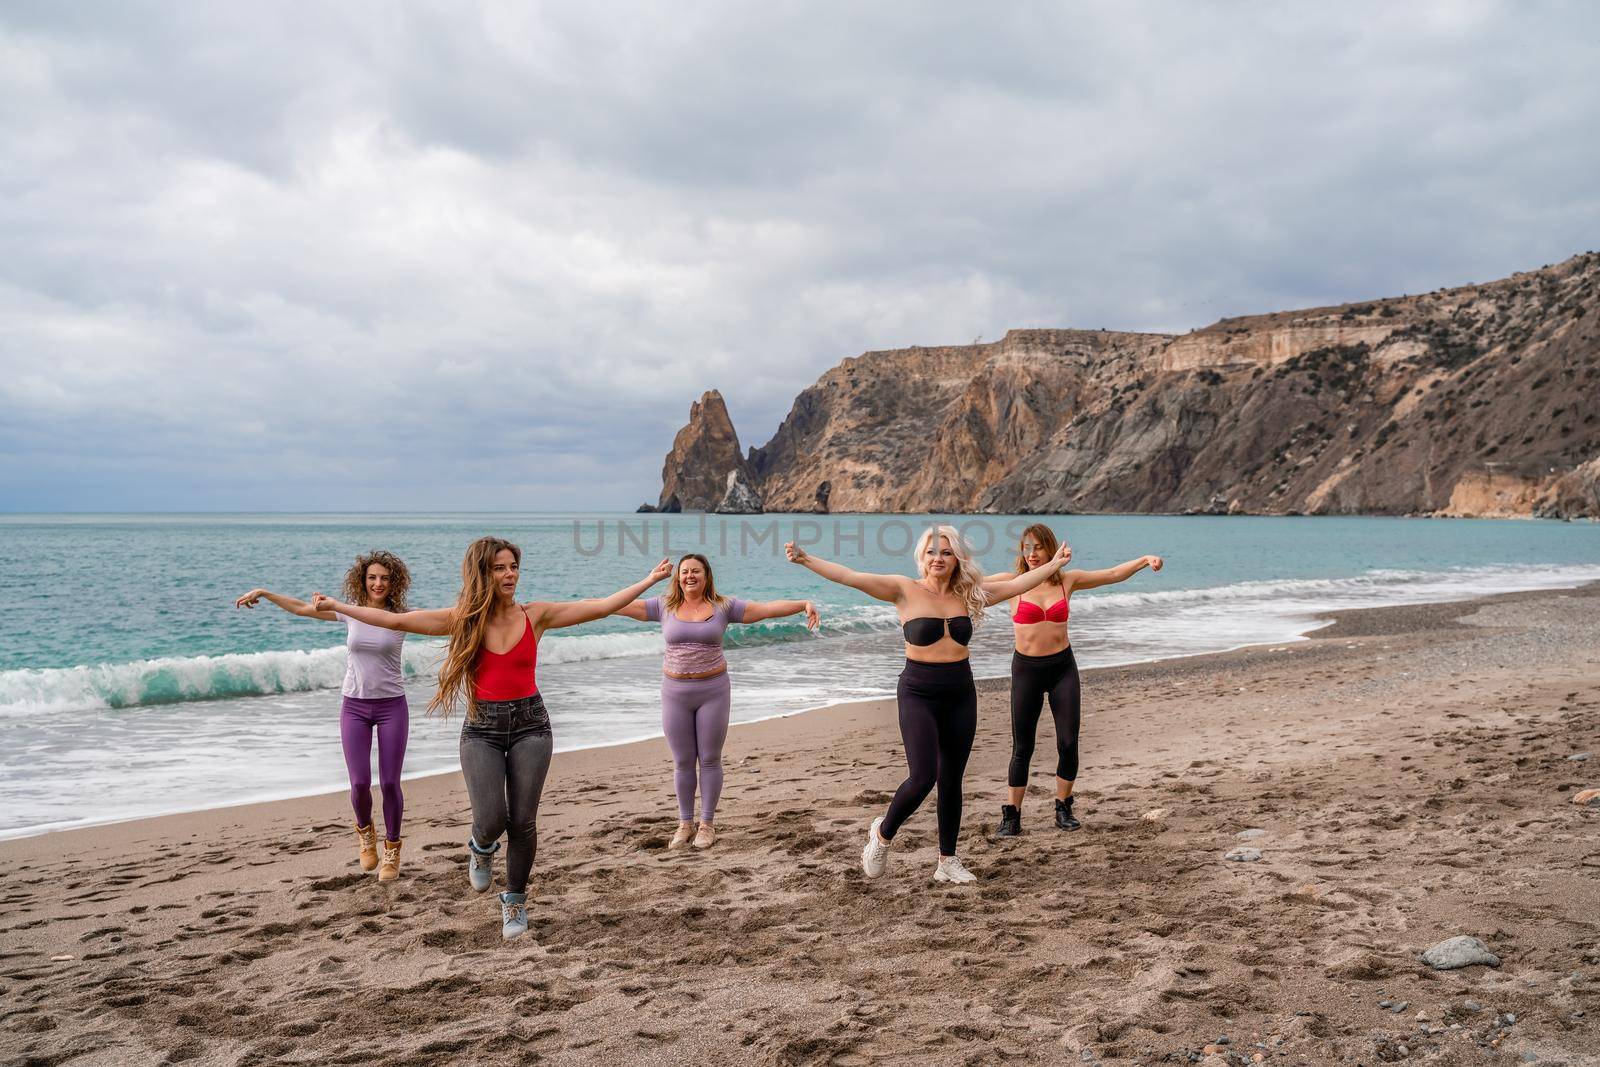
pixel 469 626
pixel 355 579
pixel 1045 538
pixel 674 595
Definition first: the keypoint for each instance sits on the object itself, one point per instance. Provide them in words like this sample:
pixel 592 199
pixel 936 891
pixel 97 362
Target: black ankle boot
pixel 1064 819
pixel 1010 821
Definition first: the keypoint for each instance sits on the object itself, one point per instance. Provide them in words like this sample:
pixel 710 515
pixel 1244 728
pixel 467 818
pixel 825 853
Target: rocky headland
pixel 1482 400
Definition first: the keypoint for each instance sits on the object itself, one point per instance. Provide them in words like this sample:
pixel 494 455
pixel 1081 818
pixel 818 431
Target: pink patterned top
pixel 694 647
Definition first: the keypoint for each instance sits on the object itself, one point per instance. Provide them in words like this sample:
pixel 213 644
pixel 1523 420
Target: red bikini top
pixel 1030 613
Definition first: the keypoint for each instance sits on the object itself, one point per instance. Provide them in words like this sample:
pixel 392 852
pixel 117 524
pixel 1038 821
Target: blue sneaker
pixel 513 915
pixel 480 865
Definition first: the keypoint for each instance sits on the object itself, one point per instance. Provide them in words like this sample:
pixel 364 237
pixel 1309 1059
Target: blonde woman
pixel 1043 666
pixel 938 701
pixel 490 669
pixel 696 697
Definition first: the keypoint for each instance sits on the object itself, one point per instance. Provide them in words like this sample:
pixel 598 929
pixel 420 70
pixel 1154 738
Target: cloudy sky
pixel 459 256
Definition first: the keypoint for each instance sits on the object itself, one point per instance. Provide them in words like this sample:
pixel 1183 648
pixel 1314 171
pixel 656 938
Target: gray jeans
pixel 505 753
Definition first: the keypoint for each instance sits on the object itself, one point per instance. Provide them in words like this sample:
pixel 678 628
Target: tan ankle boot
pixel 368 836
pixel 390 870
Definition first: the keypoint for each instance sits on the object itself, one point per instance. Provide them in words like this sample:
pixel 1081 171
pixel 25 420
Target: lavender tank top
pixel 694 647
pixel 373 671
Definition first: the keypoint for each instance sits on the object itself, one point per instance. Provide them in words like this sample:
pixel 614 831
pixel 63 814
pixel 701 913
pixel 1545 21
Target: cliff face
pixel 1481 400
pixel 705 464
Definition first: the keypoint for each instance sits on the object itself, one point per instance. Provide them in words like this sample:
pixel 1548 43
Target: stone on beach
pixel 1154 815
pixel 1459 951
pixel 1578 757
pixel 1243 855
pixel 1587 796
pixel 1250 834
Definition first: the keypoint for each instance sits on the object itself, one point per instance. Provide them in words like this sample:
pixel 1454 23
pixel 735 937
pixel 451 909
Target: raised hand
pixel 1063 555
pixel 795 553
pixel 323 602
pixel 660 571
pixel 250 599
pixel 813 620
pixel 1154 562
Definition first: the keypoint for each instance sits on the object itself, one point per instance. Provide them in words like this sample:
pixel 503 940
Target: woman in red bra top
pixel 489 668
pixel 1043 666
pixel 938 702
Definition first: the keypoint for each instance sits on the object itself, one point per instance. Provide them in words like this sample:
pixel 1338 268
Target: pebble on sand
pixel 1459 951
pixel 1243 855
pixel 1578 757
pixel 1587 796
pixel 1154 815
pixel 1250 834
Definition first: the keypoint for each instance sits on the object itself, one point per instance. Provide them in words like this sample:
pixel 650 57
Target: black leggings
pixel 938 720
pixel 505 753
pixel 1032 679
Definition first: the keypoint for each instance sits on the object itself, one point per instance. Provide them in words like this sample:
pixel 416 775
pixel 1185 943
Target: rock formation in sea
pixel 705 469
pixel 1482 400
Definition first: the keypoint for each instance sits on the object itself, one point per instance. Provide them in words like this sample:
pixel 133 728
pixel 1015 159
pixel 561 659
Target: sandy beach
pixel 1411 772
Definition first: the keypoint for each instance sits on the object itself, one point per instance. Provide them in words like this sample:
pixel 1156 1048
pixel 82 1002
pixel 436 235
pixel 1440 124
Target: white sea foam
pixel 169 680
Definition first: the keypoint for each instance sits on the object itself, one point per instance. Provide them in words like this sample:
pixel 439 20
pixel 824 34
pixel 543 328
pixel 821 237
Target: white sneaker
pixel 875 857
pixel 950 870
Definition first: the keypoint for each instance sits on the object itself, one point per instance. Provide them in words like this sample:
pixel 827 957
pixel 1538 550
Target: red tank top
pixel 1030 613
pixel 508 675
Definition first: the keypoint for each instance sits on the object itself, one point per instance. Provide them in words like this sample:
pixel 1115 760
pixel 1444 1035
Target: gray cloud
pixel 430 256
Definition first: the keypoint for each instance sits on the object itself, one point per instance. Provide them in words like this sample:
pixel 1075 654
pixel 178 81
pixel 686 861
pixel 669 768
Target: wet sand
pixel 1410 767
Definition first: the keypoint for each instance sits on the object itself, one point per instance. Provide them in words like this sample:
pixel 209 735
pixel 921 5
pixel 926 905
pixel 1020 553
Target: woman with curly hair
pixel 374 698
pixel 490 669
pixel 938 701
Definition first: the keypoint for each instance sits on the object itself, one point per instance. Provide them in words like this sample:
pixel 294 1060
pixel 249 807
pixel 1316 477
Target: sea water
pixel 130 685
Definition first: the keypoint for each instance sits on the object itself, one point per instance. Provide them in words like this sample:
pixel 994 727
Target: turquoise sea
pixel 130 685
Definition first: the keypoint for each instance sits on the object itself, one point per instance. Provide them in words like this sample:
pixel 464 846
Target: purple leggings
pixel 694 716
pixel 392 718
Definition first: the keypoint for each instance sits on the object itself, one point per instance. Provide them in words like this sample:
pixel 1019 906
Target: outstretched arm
pixel 759 611
pixel 434 622
pixel 1111 575
pixel 554 616
pixel 635 610
pixel 888 587
pixel 1005 590
pixel 287 603
pixel 1005 576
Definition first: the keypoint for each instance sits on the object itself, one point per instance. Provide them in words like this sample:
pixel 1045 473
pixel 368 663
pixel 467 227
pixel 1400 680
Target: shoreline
pixel 1328 626
pixel 1329 622
pixel 1406 774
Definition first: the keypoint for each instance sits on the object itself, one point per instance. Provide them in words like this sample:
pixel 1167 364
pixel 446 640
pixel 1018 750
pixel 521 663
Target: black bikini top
pixel 926 631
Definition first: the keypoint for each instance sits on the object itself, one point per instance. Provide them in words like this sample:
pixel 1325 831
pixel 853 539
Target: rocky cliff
pixel 1481 400
pixel 705 466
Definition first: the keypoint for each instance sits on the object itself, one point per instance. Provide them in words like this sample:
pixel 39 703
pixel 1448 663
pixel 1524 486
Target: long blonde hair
pixel 674 594
pixel 967 582
pixel 469 627
pixel 1045 538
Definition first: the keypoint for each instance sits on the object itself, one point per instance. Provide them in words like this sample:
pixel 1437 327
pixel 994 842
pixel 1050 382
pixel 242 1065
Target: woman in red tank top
pixel 1043 666
pixel 490 669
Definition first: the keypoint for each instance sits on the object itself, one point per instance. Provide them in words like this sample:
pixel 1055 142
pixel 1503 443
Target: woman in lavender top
pixel 695 692
pixel 374 698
